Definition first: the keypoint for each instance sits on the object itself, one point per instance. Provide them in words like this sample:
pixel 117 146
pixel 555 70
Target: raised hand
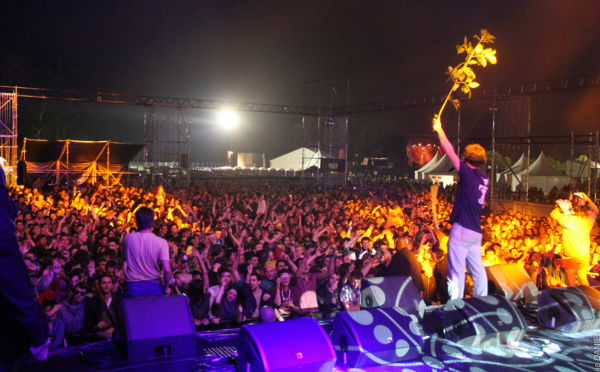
pixel 437 124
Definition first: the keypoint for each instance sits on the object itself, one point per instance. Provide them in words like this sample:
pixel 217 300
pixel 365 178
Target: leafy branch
pixel 462 75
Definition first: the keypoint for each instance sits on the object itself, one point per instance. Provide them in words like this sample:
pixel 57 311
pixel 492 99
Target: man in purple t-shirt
pixel 464 245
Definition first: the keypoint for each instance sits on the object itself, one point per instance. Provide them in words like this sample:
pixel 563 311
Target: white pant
pixel 464 250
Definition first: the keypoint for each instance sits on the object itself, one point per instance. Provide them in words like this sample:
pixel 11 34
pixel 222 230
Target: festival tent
pixel 581 169
pixel 542 175
pixel 294 160
pixel 443 172
pixel 77 162
pixel 428 166
pixel 505 177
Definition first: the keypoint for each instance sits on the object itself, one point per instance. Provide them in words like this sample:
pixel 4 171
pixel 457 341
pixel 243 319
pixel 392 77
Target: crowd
pixel 234 249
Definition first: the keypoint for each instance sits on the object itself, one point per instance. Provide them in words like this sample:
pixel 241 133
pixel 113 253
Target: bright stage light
pixel 228 118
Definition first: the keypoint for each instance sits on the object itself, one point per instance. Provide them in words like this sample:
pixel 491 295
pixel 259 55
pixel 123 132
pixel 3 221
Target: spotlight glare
pixel 228 118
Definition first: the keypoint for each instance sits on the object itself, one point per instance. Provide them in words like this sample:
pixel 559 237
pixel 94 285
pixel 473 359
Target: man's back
pixel 142 252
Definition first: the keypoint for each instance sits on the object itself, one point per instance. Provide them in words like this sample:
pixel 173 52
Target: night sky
pixel 264 52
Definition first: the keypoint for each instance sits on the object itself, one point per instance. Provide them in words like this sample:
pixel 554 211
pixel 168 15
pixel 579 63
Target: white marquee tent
pixel 426 167
pixel 293 160
pixel 542 175
pixel 443 172
pixel 581 169
pixel 506 176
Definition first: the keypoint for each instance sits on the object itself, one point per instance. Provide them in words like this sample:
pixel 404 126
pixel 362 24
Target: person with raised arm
pixel 464 245
pixel 577 217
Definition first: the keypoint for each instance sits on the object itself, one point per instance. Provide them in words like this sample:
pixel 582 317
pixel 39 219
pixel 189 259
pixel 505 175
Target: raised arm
pixel 236 263
pixel 200 258
pixel 325 275
pixel 289 261
pixel 367 264
pixel 593 206
pixel 445 143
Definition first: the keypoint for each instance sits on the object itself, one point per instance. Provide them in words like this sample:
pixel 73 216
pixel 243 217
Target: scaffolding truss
pixel 8 136
pixel 324 113
pixel 167 144
pixel 326 134
pixel 69 162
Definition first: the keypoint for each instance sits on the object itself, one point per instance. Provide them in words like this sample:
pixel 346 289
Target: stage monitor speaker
pixel 514 282
pixel 483 321
pixel 392 291
pixel 570 309
pixel 375 337
pixel 299 345
pixel 156 326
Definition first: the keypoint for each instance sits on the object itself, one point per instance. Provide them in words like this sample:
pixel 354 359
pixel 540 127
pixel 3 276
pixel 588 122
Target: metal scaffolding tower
pixel 8 136
pixel 325 135
pixel 167 144
pixel 493 117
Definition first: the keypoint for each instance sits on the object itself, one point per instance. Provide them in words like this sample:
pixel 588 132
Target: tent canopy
pixel 442 167
pixel 84 160
pixel 442 172
pixel 581 169
pixel 302 158
pixel 43 151
pixel 542 175
pixel 420 172
pixel 504 176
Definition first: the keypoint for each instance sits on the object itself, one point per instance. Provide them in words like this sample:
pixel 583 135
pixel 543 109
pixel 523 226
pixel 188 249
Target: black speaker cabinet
pixel 375 337
pixel 392 291
pixel 514 282
pixel 299 345
pixel 570 309
pixel 156 326
pixel 483 321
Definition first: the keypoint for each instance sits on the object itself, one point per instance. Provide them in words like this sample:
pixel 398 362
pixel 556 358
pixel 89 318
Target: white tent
pixel 426 167
pixel 542 175
pixel 293 160
pixel 506 175
pixel 580 169
pixel 443 172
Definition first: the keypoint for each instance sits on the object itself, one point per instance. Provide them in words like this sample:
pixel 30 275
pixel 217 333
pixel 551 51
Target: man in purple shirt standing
pixel 464 244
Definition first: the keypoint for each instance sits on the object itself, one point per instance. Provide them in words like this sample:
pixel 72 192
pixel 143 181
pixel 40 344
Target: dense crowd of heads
pixel 228 240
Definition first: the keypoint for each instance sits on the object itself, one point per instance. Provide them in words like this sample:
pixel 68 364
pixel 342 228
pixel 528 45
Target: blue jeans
pixel 143 289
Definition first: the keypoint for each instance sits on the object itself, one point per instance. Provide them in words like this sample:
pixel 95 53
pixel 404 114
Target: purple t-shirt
pixel 470 198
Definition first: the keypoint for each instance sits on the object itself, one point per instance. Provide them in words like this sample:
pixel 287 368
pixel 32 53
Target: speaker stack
pixel 299 345
pixel 570 309
pixel 156 326
pixel 374 337
pixel 392 291
pixel 483 321
pixel 513 282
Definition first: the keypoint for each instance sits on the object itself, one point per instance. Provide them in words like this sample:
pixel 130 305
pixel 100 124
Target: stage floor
pixel 541 349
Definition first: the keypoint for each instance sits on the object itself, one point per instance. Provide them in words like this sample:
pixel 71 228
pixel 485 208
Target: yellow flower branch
pixel 462 75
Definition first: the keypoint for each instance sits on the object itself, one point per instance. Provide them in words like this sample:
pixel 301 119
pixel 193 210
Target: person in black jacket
pixel 23 323
pixel 253 297
pixel 102 310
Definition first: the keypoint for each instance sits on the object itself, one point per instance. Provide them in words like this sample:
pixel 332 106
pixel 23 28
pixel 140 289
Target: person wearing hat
pixel 270 275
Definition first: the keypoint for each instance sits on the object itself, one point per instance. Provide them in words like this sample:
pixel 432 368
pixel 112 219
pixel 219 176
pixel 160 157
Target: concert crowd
pixel 272 250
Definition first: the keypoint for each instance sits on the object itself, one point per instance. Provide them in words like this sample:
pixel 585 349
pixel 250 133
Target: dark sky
pixel 264 51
